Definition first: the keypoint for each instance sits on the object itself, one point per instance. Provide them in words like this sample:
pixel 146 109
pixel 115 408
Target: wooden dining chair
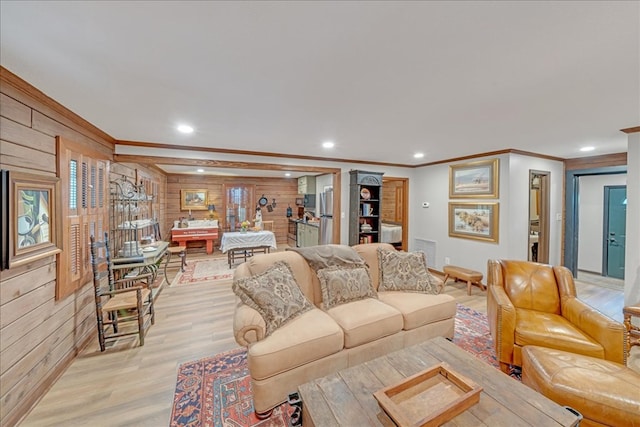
pixel 123 306
pixel 267 225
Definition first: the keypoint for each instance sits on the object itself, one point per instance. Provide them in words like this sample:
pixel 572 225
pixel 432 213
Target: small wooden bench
pixel 244 253
pixel 472 277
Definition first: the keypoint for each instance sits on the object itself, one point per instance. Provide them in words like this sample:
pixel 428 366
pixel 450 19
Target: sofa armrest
pixel 248 325
pixel 606 331
pixel 502 322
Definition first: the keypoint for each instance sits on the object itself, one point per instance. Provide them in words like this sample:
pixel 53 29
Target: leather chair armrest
pixel 248 325
pixel 502 322
pixel 606 331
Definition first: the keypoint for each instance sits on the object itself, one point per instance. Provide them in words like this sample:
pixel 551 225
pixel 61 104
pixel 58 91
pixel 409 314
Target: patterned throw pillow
pixel 343 284
pixel 405 271
pixel 274 294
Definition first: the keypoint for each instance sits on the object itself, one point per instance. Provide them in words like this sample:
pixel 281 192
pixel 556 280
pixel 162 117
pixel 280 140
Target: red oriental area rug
pixel 216 391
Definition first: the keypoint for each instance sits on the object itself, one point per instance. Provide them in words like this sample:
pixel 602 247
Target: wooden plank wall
pixel 390 212
pixel 39 336
pixel 284 190
pixel 618 159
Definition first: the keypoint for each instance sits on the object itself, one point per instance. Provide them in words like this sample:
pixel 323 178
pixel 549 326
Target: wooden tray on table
pixel 428 398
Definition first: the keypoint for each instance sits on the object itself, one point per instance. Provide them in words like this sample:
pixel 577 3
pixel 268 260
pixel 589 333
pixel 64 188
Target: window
pixel 239 205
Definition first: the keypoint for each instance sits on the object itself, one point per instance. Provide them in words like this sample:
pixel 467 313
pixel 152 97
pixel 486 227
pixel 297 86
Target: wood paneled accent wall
pixel 618 159
pixel 392 202
pixel 284 190
pixel 39 336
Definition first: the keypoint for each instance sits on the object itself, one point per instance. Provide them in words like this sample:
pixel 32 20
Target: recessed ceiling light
pixel 418 155
pixel 287 174
pixel 328 144
pixel 185 129
pixel 587 148
pixel 200 170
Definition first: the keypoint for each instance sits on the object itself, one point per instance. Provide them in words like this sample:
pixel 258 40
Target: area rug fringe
pixel 216 391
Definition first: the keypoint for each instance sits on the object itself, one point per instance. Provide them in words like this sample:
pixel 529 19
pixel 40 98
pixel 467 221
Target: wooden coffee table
pixel 346 397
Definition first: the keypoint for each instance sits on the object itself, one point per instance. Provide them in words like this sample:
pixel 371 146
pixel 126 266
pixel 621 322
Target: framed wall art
pixel 477 221
pixel 32 217
pixel 474 180
pixel 193 200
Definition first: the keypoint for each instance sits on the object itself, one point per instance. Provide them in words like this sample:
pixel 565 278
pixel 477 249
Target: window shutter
pixel 84 209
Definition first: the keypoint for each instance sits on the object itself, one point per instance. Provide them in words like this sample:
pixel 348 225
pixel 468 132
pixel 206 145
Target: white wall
pixel 590 219
pixel 632 253
pixel 431 184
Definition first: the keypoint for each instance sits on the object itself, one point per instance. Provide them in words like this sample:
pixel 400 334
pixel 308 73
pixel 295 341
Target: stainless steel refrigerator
pixel 326 217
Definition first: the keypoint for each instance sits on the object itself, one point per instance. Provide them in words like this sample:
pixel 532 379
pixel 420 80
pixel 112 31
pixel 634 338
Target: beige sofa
pixel 318 342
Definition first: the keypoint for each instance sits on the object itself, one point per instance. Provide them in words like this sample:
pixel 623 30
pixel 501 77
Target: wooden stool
pixel 472 277
pixel 181 251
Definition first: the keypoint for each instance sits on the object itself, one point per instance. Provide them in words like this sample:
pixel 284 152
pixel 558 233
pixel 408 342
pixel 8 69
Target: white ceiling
pixel 381 79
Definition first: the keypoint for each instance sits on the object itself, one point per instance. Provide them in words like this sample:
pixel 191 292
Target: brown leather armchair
pixel 535 304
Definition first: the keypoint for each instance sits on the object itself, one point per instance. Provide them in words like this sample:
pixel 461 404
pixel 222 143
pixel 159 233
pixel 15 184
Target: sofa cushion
pixel 404 271
pixel 551 330
pixel 274 294
pixel 310 336
pixel 340 285
pixel 369 253
pixel 420 309
pixel 302 273
pixel 366 320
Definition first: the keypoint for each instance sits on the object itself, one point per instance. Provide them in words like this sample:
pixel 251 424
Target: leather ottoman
pixel 605 393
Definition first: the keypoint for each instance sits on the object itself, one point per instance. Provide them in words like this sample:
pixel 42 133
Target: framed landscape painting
pixel 477 221
pixel 193 200
pixel 474 180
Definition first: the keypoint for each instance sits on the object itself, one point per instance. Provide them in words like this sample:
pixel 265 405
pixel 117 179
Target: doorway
pixel 615 224
pixel 395 210
pixel 572 203
pixel 538 242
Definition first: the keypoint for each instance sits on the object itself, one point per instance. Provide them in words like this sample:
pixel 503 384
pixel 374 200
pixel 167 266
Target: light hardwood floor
pixel 128 385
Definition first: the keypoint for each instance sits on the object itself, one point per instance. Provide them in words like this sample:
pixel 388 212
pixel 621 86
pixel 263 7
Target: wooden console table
pixel 239 245
pixel 191 234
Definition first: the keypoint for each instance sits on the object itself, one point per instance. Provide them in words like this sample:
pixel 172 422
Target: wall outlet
pixel 447 260
pixel 425 204
pixel 342 215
